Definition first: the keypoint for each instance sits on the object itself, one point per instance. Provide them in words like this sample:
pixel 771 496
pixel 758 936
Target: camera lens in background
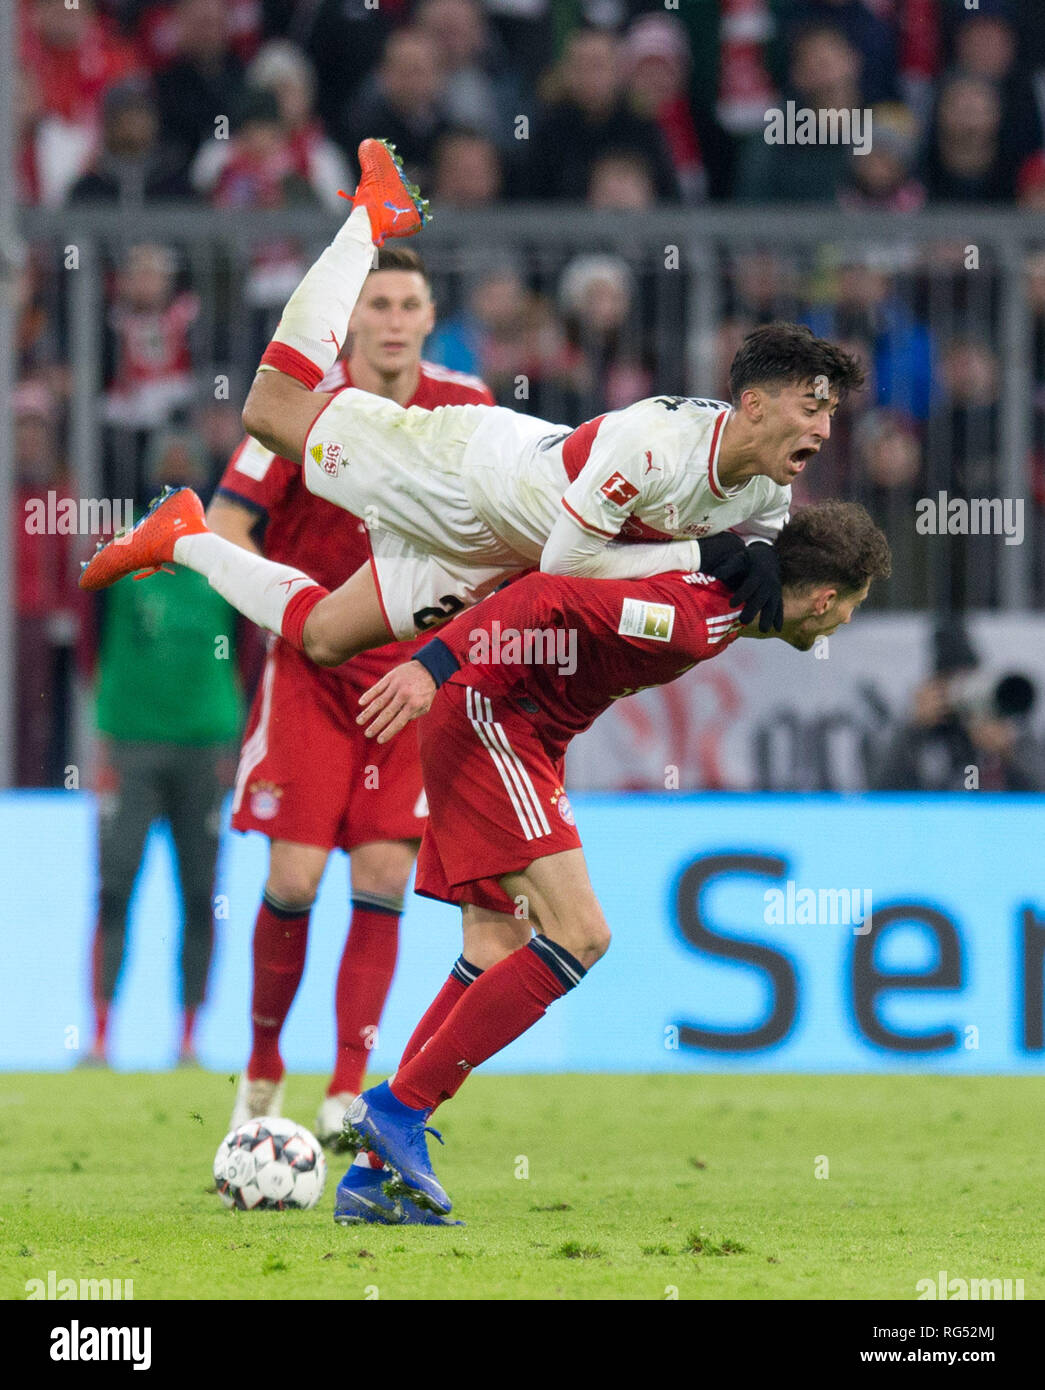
pixel 1014 696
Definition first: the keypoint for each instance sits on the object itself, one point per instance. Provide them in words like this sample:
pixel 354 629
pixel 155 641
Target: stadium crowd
pixel 619 104
pixel 523 98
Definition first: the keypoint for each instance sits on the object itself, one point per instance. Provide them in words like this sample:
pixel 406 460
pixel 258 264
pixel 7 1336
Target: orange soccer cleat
pixel 148 545
pixel 395 206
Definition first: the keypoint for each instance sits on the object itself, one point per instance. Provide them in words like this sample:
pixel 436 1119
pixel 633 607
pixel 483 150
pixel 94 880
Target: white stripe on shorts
pixel 255 748
pixel 513 774
pixel 519 767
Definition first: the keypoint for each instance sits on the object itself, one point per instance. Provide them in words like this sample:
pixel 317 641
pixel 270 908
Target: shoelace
pixel 417 1142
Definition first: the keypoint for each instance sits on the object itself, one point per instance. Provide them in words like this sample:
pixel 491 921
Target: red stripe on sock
pixel 291 362
pixel 498 1007
pixel 295 615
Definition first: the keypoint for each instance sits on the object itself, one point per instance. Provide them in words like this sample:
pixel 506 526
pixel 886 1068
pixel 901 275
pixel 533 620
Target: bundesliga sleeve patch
pixel 328 456
pixel 254 460
pixel 617 489
pixel 655 621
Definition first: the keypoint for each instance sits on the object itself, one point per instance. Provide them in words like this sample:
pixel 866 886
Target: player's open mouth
pixel 799 458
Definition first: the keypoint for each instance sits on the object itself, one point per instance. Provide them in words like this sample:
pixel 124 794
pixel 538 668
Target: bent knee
pixel 598 942
pixel 293 888
pixel 588 942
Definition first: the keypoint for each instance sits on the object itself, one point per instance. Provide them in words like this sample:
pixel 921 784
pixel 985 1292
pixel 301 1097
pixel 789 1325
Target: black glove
pixel 753 578
pixel 716 550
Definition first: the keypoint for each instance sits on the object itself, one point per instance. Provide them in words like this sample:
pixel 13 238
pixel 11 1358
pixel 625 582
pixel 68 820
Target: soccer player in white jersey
pixel 460 498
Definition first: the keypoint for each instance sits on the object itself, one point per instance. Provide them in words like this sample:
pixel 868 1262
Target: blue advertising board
pixel 756 933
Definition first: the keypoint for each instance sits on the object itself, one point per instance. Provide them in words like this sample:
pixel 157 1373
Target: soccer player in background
pixel 308 779
pixel 161 755
pixel 503 701
pixel 458 499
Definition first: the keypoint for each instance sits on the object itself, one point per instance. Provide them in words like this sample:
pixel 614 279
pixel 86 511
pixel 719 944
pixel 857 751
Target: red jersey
pixel 313 535
pixel 563 649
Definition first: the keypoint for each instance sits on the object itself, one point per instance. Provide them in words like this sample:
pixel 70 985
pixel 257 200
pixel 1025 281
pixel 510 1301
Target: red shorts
pixel 495 797
pixel 307 773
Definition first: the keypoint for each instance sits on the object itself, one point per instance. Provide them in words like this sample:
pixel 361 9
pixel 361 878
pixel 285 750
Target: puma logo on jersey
pixel 650 465
pixel 617 489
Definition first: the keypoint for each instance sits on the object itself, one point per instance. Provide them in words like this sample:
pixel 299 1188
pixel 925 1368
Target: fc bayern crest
pixel 565 809
pixel 264 800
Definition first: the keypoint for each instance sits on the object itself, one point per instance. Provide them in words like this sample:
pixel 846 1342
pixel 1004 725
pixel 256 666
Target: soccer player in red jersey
pixel 505 688
pixel 307 778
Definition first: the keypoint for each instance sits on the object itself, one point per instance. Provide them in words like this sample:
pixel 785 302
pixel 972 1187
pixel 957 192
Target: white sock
pixel 315 320
pixel 260 589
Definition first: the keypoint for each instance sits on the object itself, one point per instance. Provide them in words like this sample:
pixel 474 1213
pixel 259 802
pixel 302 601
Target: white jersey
pixel 458 498
pixel 645 473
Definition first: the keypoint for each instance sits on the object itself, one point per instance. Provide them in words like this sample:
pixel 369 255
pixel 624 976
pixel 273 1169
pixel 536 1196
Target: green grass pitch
pixel 572 1187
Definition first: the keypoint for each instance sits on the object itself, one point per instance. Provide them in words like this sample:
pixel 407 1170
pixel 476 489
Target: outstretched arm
pixel 570 549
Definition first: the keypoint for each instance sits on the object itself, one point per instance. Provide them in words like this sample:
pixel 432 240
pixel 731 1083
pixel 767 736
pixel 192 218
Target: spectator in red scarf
pixel 152 378
pixel 283 69
pixel 277 123
pixel 656 65
pixel 74 55
pixel 68 57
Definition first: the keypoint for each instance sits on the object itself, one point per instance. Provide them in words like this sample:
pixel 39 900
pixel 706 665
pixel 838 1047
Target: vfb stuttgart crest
pixel 328 456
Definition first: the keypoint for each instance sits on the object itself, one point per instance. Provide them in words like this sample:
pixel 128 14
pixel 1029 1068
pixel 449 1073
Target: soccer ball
pixel 270 1163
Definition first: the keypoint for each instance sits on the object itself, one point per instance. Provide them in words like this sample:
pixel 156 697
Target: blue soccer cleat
pixel 362 1200
pixel 396 1133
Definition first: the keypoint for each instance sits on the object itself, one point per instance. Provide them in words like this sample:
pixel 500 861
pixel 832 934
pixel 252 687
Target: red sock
pixel 188 1028
pixel 364 978
pixel 101 1026
pixel 101 1006
pixel 280 938
pixel 462 975
pixel 506 1000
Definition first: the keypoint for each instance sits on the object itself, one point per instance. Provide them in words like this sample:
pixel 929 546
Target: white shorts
pixel 400 471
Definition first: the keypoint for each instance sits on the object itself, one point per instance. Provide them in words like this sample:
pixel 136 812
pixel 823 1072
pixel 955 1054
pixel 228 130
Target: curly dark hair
pixel 788 354
pixel 832 543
